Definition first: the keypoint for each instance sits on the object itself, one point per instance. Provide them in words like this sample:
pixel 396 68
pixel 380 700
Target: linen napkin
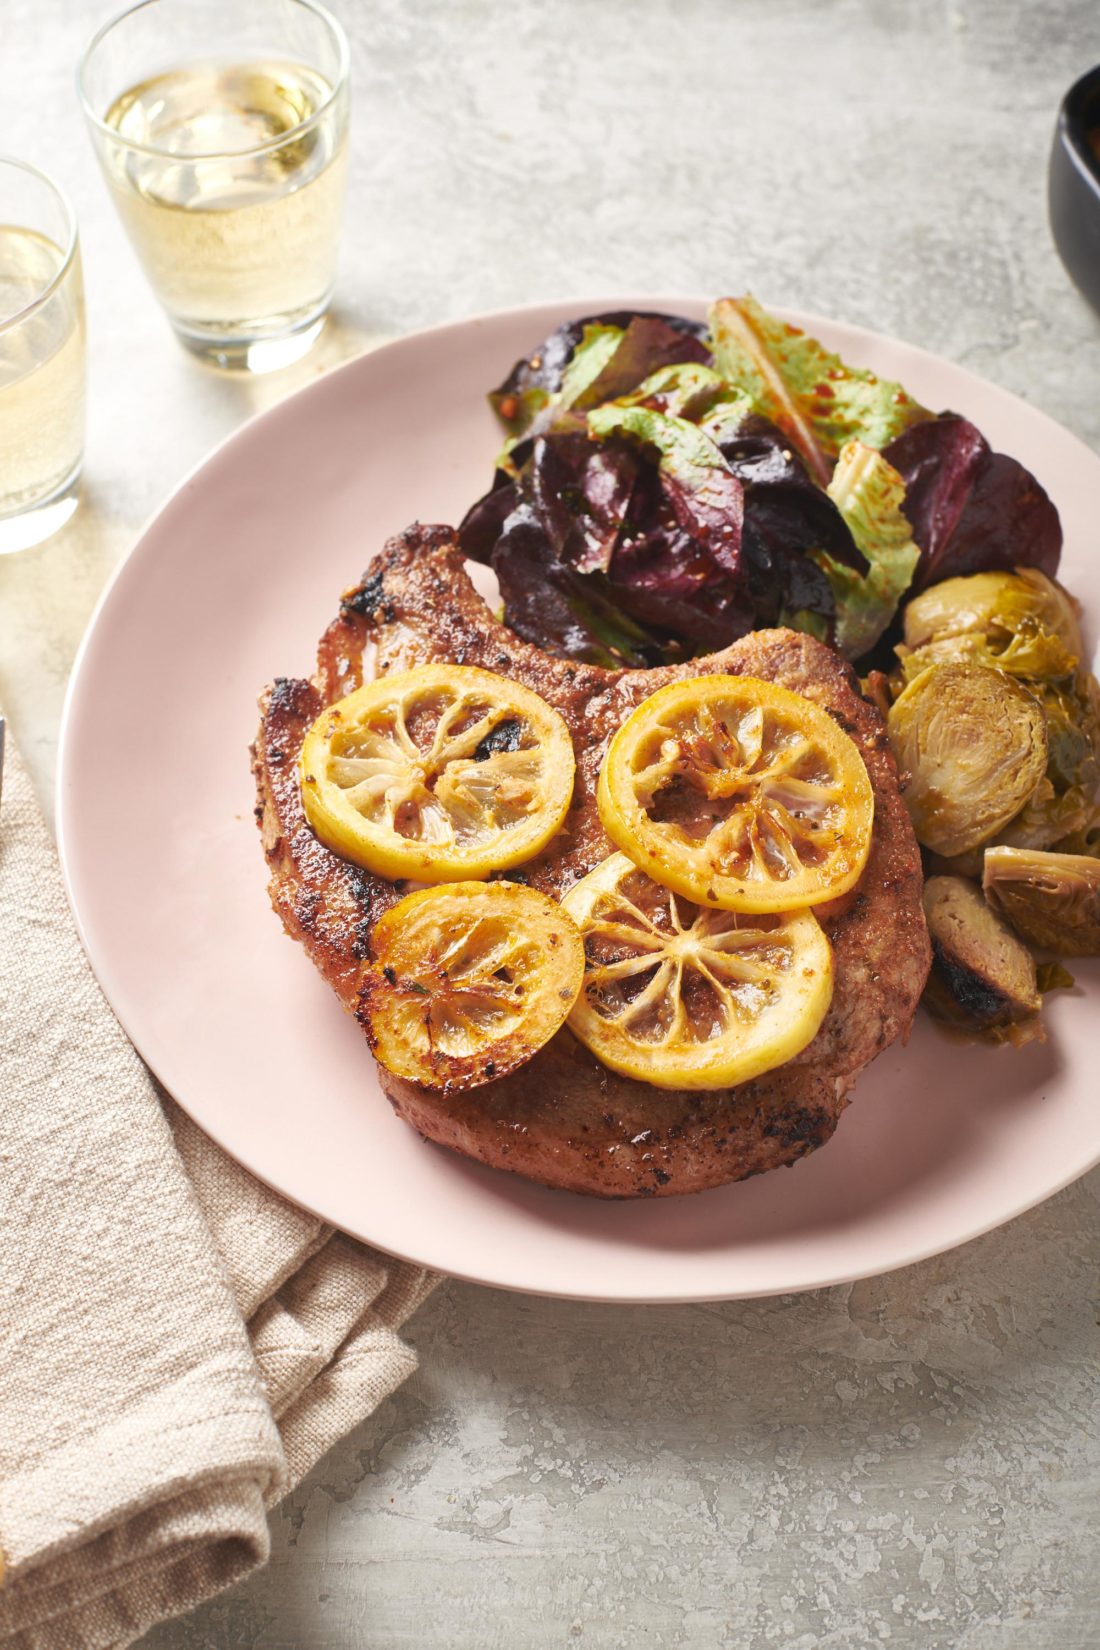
pixel 178 1345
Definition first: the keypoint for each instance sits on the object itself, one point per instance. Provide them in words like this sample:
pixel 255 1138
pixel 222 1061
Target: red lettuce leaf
pixel 649 343
pixel 536 378
pixel 662 573
pixel 786 512
pixel 704 495
pixel 693 542
pixel 678 562
pixel 565 612
pixel 971 510
pixel 483 523
pixel 580 493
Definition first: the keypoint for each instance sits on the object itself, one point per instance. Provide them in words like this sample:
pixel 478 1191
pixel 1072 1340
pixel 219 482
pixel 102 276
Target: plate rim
pixel 139 548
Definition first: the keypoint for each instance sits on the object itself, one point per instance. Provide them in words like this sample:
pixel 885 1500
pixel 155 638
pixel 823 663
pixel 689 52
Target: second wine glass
pixel 223 135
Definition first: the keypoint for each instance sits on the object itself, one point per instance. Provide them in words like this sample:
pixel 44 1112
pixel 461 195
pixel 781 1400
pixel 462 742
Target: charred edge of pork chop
pixel 564 1119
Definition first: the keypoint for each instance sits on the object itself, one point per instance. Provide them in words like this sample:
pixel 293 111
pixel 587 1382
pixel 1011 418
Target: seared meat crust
pixel 564 1119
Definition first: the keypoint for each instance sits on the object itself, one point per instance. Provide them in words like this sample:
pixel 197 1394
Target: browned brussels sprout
pixel 983 978
pixel 1053 900
pixel 974 744
pixel 1063 805
pixel 996 606
pixel 1033 655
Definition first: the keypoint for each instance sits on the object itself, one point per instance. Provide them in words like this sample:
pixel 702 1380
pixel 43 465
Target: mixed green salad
pixel 665 487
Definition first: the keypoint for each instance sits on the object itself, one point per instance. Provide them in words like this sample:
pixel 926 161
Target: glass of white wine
pixel 41 357
pixel 222 131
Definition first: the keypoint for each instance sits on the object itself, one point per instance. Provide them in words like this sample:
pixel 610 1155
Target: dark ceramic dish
pixel 1073 188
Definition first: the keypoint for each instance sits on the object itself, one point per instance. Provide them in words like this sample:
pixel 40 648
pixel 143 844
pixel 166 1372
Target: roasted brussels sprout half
pixel 1033 655
pixel 997 606
pixel 1022 623
pixel 983 978
pixel 1063 804
pixel 1053 900
pixel 974 744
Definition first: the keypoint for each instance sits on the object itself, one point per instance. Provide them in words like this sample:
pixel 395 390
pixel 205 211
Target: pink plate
pixel 230 586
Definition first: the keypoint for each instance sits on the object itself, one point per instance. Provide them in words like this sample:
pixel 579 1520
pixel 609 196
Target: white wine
pixel 237 230
pixel 41 372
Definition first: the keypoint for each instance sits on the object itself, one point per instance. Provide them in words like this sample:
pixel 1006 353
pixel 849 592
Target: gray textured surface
pixel 911 1462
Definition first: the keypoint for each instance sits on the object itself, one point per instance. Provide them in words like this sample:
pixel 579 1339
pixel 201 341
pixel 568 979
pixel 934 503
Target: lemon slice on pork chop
pixel 740 794
pixel 437 773
pixel 687 997
pixel 468 980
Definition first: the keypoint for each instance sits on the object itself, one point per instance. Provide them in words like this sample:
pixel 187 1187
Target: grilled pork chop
pixel 564 1119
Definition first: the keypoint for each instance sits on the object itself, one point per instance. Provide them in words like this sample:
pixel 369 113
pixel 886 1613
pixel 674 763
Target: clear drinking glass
pixel 222 131
pixel 41 357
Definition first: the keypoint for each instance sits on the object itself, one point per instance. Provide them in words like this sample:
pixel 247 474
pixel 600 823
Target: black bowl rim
pixel 1077 117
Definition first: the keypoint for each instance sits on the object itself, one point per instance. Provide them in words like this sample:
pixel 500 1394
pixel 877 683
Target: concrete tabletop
pixel 909 1462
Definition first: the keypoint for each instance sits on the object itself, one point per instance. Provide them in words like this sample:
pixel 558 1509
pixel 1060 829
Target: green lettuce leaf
pixel 684 451
pixel 704 494
pixel 1033 653
pixel 686 389
pixel 536 409
pixel 597 346
pixel 868 493
pixel 814 398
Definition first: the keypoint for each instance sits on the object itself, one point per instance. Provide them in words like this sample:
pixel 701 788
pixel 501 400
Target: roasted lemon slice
pixel 437 773
pixel 468 980
pixel 688 997
pixel 740 794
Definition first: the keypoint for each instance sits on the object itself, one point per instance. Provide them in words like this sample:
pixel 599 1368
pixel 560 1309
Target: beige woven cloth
pixel 178 1345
